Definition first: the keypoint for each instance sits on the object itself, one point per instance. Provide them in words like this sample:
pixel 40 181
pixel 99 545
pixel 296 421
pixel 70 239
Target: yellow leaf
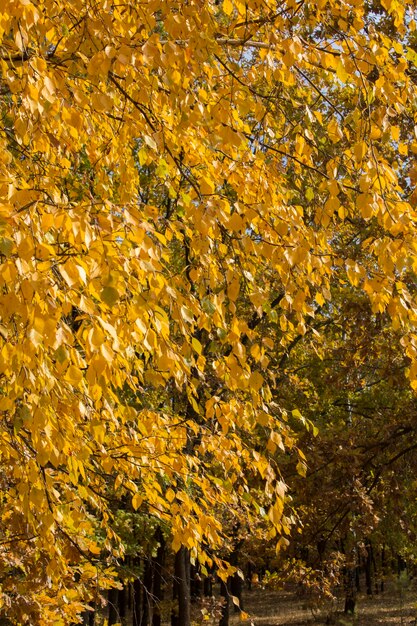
pixel 206 186
pixel 360 149
pixel 395 133
pixel 196 345
pixel 150 142
pixel 73 375
pixel 365 204
pixel 137 501
pixel 69 273
pixel 170 495
pixel 227 7
pixel 334 131
pixel 96 337
pixel 256 381
pixel 235 222
pixel 275 512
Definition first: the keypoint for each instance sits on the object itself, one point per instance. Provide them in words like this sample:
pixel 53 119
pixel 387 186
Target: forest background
pixel 208 301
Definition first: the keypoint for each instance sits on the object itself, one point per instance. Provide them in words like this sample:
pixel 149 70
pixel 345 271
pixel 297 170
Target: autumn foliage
pixel 185 186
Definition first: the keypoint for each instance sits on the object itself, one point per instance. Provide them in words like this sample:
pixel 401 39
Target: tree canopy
pixel 189 192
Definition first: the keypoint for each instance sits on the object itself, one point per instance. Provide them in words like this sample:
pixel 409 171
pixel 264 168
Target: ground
pixel 396 607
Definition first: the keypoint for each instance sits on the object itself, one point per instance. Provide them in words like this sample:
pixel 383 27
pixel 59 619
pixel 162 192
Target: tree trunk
pixel 375 571
pixel 137 597
pixel 122 604
pixel 368 569
pixel 130 597
pixel 236 583
pixel 158 564
pixel 224 591
pixel 88 617
pixel 249 574
pixel 208 586
pixel 350 589
pixel 236 589
pixel 112 598
pixel 147 594
pixel 196 582
pixel 382 568
pixel 181 615
pixel 401 565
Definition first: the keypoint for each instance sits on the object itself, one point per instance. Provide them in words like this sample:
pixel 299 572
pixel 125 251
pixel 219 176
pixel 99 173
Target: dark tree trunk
pixel 112 602
pixel 375 571
pixel 122 604
pixel 382 568
pixel 147 594
pixel 236 589
pixel 158 565
pixel 249 574
pixel 350 590
pixel 321 547
pixel 350 603
pixel 357 579
pixel 401 565
pixel 208 586
pixel 130 598
pixel 350 586
pixel 137 597
pixel 224 591
pixel 368 569
pixel 196 582
pixel 181 615
pixel 89 617
pixel 236 583
pixel 349 580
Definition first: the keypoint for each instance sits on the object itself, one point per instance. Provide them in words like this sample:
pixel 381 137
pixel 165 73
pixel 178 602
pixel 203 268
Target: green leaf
pixel 109 295
pixel 6 246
